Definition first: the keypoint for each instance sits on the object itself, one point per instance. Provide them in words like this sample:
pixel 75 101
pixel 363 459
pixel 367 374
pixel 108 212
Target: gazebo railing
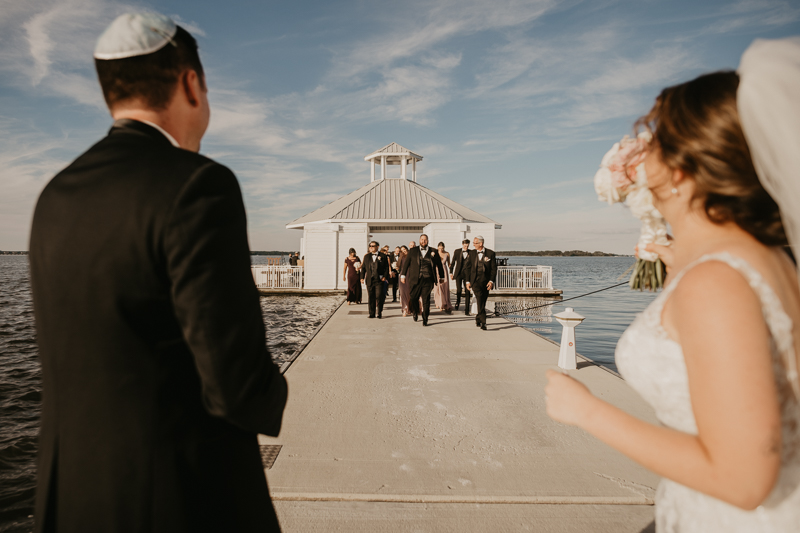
pixel 524 277
pixel 278 276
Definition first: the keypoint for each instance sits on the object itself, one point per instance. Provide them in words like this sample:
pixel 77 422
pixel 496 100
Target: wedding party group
pixel 156 375
pixel 416 272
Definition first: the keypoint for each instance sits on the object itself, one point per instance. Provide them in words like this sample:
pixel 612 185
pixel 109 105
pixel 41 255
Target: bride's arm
pixel 735 457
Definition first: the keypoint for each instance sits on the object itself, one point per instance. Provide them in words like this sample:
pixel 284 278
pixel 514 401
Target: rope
pixel 553 302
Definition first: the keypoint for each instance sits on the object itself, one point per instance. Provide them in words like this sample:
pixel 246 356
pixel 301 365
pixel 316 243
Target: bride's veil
pixel 768 100
pixel 769 109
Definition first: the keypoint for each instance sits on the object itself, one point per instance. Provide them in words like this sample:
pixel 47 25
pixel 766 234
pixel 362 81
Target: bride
pixel 715 353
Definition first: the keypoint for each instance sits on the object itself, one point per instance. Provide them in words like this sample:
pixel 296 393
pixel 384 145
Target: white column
pixel 383 167
pixel 372 169
pixel 403 163
pixel 414 170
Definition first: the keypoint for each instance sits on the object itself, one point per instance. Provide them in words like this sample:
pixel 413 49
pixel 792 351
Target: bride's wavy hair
pixel 696 129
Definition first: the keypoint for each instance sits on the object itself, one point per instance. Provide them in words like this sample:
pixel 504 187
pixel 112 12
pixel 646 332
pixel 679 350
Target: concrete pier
pixel 391 426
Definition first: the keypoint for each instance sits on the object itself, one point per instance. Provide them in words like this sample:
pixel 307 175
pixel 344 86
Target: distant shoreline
pixel 557 253
pixel 512 253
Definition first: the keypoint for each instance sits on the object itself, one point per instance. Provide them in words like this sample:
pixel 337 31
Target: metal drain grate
pixel 269 452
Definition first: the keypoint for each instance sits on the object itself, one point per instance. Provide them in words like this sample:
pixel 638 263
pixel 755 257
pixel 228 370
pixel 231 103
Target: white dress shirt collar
pixel 169 137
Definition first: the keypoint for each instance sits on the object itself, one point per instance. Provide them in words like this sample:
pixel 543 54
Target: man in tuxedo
pixel 156 376
pixel 482 274
pixel 458 273
pixel 374 271
pixel 418 271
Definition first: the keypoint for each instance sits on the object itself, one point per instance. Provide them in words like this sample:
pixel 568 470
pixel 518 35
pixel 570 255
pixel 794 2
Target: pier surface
pixel 391 426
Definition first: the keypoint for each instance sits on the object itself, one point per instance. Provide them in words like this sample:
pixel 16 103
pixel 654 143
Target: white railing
pixel 522 278
pixel 278 276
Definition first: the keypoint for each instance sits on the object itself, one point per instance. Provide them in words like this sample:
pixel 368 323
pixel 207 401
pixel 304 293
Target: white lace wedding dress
pixel 654 366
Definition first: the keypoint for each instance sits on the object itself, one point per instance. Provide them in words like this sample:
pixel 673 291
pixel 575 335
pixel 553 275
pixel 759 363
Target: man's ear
pixel 191 87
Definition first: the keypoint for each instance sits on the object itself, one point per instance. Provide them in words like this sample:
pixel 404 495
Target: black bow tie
pixel 423 249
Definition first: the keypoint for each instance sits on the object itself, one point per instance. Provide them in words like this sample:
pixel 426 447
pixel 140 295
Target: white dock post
pixel 567 357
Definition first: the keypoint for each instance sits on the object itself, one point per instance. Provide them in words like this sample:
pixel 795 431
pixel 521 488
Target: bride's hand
pixel 665 253
pixel 568 400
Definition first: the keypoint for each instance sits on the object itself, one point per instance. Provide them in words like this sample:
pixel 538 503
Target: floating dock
pixel 392 426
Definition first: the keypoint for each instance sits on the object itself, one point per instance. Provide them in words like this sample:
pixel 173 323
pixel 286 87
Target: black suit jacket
pixel 489 272
pixel 156 375
pixel 370 267
pixel 411 265
pixel 458 266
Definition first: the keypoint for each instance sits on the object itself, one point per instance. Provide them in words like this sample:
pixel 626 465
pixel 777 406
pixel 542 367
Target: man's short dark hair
pixel 423 235
pixel 152 77
pixel 465 241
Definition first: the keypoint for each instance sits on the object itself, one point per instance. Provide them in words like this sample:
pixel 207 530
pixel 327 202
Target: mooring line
pixel 553 302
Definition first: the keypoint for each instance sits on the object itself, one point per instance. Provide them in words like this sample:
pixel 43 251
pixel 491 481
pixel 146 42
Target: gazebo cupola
pixel 393 154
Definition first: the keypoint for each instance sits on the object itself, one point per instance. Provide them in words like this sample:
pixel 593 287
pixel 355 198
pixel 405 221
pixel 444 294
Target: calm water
pixel 607 313
pixel 290 321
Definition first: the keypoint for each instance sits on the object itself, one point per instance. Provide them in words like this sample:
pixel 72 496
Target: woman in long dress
pixel 715 353
pixel 404 289
pixel 441 294
pixel 352 265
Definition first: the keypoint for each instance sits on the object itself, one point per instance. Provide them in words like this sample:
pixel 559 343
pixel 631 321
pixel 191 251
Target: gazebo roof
pixel 392 201
pixel 393 151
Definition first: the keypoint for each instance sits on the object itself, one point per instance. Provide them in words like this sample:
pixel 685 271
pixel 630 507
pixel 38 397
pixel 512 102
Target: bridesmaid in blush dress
pixel 405 291
pixel 441 294
pixel 351 266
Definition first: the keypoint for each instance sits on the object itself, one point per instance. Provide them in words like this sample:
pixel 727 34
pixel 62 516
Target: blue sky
pixel 512 103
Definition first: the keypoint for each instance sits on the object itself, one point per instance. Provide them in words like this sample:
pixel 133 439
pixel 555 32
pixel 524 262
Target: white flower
pixel 606 192
pixel 640 202
pixel 654 230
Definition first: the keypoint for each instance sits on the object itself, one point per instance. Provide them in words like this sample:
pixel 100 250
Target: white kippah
pixel 135 34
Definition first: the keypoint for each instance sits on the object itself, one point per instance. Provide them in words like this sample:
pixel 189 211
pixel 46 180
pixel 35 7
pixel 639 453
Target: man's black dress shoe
pixel 483 327
pixel 424 322
pixel 466 313
pixel 379 316
pixel 415 317
pixel 448 311
pixel 371 316
pixel 477 324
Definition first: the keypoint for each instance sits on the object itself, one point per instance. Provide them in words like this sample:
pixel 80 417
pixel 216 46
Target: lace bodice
pixel 654 366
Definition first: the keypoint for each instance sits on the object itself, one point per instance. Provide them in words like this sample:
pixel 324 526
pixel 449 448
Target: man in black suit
pixel 374 271
pixel 156 377
pixel 458 273
pixel 418 271
pixel 482 274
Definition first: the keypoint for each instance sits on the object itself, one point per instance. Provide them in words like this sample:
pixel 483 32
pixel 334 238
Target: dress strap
pixel 778 321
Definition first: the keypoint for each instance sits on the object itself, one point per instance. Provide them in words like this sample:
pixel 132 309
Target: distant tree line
pixel 270 252
pixel 5 252
pixel 556 253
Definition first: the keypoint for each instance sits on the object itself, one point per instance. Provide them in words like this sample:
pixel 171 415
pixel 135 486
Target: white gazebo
pixel 383 206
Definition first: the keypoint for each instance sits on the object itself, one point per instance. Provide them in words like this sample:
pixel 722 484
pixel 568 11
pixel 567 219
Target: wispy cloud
pixel 745 14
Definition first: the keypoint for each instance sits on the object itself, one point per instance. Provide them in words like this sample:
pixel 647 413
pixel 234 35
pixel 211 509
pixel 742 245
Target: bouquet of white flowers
pixel 622 178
